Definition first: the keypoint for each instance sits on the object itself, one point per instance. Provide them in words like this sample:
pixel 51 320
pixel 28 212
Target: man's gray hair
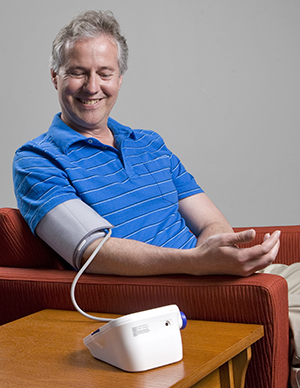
pixel 89 24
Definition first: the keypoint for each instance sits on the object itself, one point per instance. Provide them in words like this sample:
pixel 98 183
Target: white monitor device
pixel 140 341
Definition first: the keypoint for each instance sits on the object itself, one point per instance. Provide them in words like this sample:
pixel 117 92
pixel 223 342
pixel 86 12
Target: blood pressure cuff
pixel 70 228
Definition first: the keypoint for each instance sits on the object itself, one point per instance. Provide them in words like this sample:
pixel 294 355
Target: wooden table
pixel 46 350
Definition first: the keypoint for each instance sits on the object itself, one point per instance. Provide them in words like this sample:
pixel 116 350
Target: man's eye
pixel 105 76
pixel 76 74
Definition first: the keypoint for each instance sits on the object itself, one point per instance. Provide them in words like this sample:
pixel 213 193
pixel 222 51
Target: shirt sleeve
pixel 185 183
pixel 40 184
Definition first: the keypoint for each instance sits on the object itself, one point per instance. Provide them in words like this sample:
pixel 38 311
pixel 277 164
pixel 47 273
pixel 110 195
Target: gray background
pixel 219 80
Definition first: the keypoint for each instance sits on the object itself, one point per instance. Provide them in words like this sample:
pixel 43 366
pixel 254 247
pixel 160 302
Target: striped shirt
pixel 135 186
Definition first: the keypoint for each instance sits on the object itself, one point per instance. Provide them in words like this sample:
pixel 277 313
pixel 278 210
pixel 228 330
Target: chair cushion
pixel 20 248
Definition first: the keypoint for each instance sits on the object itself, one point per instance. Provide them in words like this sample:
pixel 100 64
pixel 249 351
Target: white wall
pixel 219 80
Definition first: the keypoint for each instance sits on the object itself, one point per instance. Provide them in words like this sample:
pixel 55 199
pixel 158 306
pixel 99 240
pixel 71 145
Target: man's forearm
pixel 134 258
pixel 216 255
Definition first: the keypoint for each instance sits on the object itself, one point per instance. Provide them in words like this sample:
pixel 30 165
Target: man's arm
pixel 215 253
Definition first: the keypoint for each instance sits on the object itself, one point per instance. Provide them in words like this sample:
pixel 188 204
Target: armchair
pixel 33 277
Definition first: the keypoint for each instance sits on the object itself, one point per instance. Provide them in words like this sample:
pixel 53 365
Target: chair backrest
pixel 19 247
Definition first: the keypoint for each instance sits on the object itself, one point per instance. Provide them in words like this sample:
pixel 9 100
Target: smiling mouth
pixel 89 102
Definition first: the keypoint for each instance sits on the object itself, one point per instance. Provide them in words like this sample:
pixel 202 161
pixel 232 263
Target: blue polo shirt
pixel 135 186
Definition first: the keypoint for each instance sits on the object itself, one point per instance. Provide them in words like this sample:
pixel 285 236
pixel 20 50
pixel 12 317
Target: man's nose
pixel 92 84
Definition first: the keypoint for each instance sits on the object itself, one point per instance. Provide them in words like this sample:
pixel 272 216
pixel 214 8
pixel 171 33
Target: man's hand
pixel 220 254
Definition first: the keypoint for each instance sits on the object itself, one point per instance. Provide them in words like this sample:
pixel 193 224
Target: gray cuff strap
pixel 70 227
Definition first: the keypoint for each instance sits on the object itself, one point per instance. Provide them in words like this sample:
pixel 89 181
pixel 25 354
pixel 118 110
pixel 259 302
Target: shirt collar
pixel 64 136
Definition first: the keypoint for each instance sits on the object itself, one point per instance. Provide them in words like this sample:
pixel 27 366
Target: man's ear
pixel 120 81
pixel 54 78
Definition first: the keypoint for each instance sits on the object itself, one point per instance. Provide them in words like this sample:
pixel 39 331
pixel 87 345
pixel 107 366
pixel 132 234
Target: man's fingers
pixel 271 241
pixel 239 238
pixel 246 236
pixel 265 247
pixel 274 250
pixel 249 235
pixel 264 254
pixel 266 259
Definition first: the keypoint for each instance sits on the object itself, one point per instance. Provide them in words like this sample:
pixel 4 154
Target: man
pixel 87 161
pixel 89 172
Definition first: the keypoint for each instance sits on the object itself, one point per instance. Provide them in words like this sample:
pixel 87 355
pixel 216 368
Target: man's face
pixel 88 83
